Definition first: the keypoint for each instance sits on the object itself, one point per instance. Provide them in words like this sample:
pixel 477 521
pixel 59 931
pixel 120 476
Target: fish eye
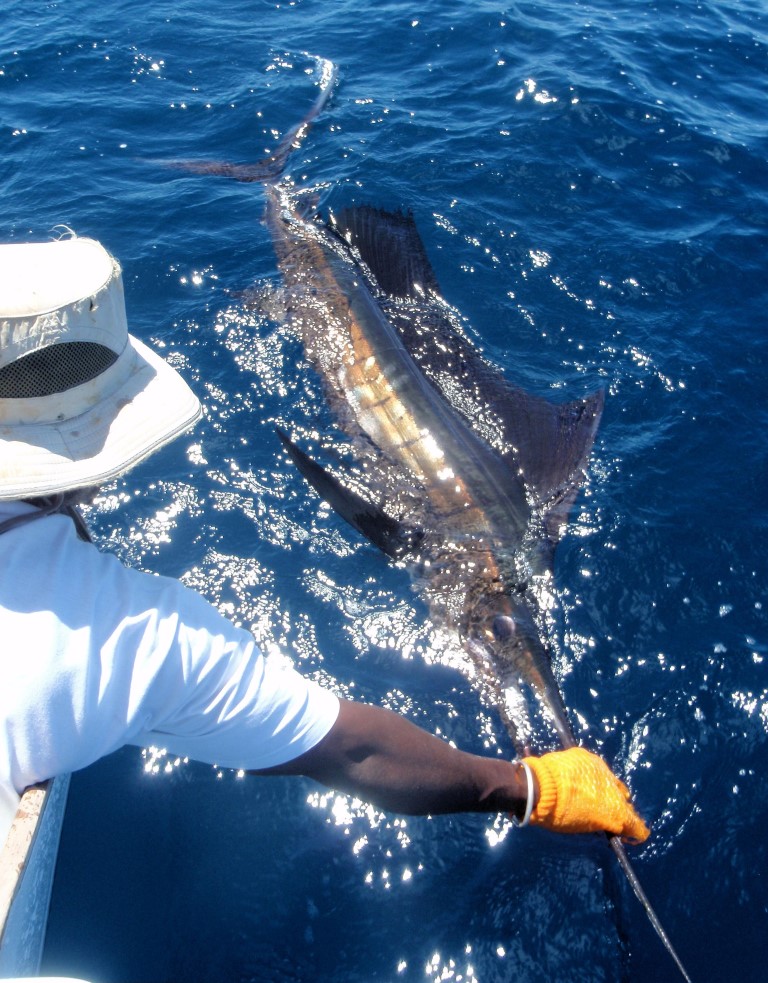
pixel 504 628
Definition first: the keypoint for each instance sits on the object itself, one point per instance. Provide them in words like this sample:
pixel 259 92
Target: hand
pixel 578 793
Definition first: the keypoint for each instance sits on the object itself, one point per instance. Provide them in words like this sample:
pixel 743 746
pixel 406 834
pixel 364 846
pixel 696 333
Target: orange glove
pixel 578 793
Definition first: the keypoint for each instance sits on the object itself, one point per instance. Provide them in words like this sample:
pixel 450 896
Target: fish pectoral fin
pixel 392 537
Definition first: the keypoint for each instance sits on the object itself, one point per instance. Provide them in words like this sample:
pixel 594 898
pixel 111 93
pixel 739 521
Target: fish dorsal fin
pixel 545 444
pixel 390 246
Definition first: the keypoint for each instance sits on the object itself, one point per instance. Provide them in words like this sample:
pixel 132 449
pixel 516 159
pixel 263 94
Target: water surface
pixel 590 182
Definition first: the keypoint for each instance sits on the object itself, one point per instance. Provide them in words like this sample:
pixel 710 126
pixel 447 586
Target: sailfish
pixel 463 478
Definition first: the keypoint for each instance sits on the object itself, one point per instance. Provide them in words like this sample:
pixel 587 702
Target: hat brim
pixel 151 407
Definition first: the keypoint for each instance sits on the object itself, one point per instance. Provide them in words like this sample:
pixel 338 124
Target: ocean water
pixel 590 182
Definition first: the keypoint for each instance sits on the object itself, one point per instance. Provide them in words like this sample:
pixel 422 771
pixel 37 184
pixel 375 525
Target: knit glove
pixel 578 793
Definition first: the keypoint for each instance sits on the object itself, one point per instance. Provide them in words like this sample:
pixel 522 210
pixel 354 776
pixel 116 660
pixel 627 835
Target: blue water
pixel 590 180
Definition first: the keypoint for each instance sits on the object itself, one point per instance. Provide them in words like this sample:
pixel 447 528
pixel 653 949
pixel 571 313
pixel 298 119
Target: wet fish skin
pixel 482 532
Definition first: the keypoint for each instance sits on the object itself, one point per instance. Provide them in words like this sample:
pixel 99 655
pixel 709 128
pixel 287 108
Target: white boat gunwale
pixel 27 864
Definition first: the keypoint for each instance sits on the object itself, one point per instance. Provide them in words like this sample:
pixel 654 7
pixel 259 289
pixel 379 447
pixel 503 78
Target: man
pixel 95 655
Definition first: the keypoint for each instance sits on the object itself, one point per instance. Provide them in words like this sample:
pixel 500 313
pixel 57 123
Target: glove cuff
pixel 545 807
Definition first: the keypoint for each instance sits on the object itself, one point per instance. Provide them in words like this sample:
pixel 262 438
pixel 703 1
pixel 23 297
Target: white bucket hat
pixel 81 400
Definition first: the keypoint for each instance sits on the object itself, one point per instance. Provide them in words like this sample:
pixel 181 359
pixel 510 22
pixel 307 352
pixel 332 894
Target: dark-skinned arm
pixel 384 759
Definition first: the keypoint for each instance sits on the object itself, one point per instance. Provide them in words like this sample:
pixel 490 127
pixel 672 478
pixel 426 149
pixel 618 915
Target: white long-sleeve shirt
pixel 94 655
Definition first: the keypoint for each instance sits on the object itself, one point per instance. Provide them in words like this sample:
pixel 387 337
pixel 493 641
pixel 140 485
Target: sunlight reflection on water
pixel 613 236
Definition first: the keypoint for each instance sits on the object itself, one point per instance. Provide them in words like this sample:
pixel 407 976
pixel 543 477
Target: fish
pixel 459 476
pixel 479 538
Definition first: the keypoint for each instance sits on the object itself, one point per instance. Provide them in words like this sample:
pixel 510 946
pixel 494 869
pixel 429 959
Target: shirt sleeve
pixel 224 701
pixel 109 656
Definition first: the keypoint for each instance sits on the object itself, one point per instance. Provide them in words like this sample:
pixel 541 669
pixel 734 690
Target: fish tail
pixel 270 169
pixel 292 140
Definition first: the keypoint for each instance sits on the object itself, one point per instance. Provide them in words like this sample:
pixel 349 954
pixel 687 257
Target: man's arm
pixel 384 759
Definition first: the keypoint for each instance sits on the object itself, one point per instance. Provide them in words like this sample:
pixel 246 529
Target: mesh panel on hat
pixel 54 369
